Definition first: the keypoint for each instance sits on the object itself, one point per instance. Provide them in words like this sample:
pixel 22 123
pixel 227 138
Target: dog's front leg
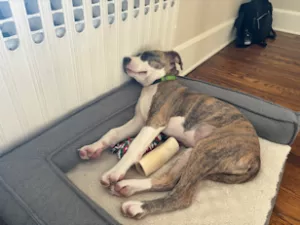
pixel 131 128
pixel 133 155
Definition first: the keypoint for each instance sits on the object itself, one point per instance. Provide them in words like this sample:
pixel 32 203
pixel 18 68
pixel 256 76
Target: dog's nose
pixel 126 61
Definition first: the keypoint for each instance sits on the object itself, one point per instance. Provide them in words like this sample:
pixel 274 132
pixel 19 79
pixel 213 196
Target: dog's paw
pixel 126 188
pixel 92 151
pixel 112 177
pixel 133 209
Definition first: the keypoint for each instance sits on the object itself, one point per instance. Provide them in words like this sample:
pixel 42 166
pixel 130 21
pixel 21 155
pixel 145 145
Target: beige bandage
pixel 155 159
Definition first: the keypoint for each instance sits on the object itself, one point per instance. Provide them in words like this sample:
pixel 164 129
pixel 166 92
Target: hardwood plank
pixel 273 74
pixel 288 199
pixel 277 220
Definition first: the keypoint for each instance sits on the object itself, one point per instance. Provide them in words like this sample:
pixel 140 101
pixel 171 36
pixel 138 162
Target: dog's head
pixel 149 66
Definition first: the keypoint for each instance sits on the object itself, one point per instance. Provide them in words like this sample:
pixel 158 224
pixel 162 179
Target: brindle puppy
pixel 223 145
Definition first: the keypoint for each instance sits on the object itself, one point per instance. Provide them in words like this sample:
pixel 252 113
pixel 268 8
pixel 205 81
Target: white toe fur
pixel 85 150
pixel 132 208
pixel 85 157
pixel 113 192
pixel 133 186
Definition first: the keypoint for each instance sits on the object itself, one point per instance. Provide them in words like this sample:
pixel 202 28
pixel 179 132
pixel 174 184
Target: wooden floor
pixel 273 74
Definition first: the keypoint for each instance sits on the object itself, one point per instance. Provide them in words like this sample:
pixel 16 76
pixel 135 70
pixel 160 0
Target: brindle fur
pixel 229 154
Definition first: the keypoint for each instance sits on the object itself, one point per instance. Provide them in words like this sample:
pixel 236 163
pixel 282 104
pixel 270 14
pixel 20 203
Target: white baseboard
pixel 287 21
pixel 200 48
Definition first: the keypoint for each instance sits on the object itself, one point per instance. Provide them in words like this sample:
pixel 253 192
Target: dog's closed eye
pixel 147 56
pixel 156 64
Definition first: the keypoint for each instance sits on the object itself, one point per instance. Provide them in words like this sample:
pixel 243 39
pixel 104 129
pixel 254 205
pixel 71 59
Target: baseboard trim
pixel 200 48
pixel 287 21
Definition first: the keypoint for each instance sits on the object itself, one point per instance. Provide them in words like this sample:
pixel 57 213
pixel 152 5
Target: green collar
pixel 165 78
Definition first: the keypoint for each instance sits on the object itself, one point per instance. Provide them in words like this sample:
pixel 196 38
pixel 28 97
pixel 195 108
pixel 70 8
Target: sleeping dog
pixel 222 144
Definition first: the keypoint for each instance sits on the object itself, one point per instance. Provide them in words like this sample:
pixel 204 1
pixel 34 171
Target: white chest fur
pixel 174 126
pixel 145 101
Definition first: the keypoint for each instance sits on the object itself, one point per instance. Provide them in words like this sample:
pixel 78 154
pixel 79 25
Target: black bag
pixel 254 23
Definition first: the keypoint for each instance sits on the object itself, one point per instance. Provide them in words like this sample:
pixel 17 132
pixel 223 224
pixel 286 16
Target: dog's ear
pixel 175 58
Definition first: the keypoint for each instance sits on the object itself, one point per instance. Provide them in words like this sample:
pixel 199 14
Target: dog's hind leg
pixel 250 170
pixel 220 154
pixel 182 194
pixel 165 181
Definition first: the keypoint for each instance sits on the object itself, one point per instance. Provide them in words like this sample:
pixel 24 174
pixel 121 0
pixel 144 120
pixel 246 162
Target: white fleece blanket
pixel 214 204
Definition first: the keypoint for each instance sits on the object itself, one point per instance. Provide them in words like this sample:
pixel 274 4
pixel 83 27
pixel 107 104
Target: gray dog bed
pixel 34 188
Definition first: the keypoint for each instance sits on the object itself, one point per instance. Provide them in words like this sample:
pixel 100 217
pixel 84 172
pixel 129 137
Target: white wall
pixel 292 5
pixel 203 28
pixel 287 15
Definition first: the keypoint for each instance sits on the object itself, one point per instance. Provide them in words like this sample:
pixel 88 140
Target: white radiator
pixel 56 55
